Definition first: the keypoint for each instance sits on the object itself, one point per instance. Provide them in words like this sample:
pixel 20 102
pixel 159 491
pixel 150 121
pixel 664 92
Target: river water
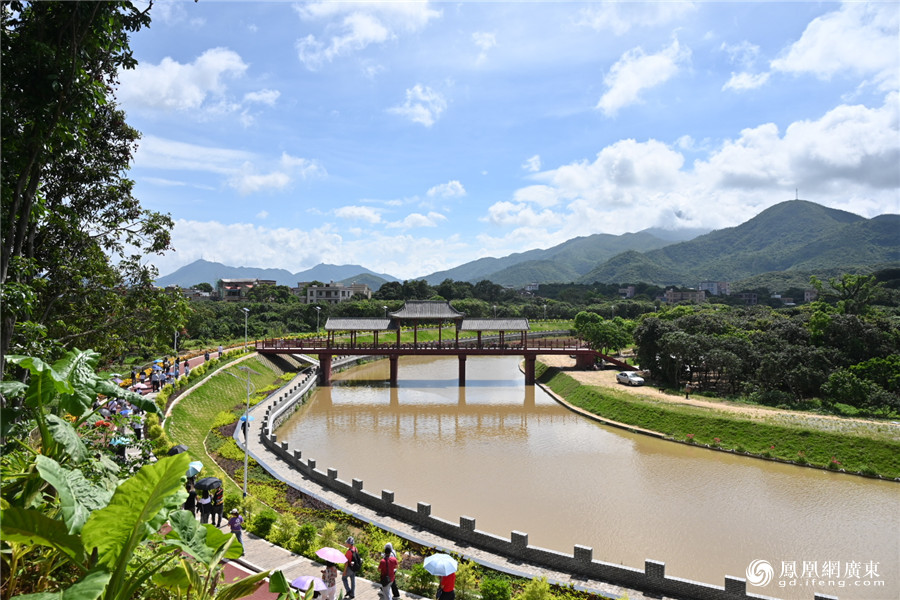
pixel 515 460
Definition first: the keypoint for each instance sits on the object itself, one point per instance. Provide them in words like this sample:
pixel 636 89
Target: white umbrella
pixel 440 564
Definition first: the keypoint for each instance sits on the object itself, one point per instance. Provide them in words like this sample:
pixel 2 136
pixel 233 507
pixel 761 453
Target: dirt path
pixel 607 378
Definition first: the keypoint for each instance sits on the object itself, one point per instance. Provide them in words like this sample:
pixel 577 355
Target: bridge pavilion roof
pixel 494 325
pixel 360 324
pixel 427 309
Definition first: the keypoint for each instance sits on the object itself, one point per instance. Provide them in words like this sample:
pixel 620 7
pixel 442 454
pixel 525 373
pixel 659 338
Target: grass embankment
pixel 854 453
pixel 219 401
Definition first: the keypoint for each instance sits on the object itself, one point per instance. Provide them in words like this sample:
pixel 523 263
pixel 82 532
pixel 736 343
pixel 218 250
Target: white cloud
pixel 485 41
pixel 743 54
pixel 243 171
pixel 451 189
pixel 847 158
pixel 636 72
pixel 532 164
pixel 423 105
pixel 746 81
pixel 263 97
pixel 620 17
pixel 418 220
pixel 297 249
pixel 263 214
pixel 359 213
pixel 353 26
pixel 859 39
pixel 179 87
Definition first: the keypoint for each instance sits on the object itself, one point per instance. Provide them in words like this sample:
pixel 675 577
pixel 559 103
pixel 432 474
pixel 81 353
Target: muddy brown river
pixel 514 459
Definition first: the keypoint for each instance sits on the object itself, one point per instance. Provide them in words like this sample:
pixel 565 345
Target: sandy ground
pixel 607 378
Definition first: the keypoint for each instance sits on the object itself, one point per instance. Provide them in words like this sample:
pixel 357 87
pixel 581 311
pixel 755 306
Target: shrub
pixel 262 523
pixel 328 536
pixel 302 542
pixel 283 531
pixel 495 589
pixel 421 582
pixel 465 580
pixel 536 589
pixel 231 501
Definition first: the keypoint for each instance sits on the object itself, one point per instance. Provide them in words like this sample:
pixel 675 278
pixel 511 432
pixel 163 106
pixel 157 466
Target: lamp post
pixel 246 315
pixel 495 311
pixel 318 312
pixel 176 344
pixel 385 311
pixel 245 421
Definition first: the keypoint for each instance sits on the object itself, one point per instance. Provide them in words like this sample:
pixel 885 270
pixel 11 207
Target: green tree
pixel 73 234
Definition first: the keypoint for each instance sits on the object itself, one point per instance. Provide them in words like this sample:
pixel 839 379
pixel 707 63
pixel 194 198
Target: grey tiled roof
pixel 359 324
pixel 494 325
pixel 427 309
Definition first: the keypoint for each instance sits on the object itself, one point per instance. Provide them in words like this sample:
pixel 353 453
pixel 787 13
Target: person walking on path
pixel 329 576
pixel 353 564
pixel 235 521
pixel 394 587
pixel 204 505
pixel 206 356
pixel 191 502
pixel 216 506
pixel 388 570
pixel 446 587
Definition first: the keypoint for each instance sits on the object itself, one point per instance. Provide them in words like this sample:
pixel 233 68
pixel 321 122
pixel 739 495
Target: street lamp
pixel 176 344
pixel 318 312
pixel 246 421
pixel 495 311
pixel 246 315
pixel 385 311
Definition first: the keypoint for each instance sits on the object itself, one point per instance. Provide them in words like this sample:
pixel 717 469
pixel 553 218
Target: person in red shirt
pixel 445 589
pixel 349 575
pixel 388 569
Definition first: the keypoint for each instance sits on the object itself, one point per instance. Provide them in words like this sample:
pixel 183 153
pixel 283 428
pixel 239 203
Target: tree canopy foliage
pixel 837 353
pixel 73 233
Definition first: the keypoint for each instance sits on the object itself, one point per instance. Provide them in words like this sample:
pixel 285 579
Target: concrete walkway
pixel 265 555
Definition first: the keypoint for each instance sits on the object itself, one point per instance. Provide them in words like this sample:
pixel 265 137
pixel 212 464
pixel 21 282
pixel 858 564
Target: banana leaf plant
pixel 53 514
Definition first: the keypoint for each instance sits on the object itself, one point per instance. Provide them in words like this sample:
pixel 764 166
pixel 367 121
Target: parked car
pixel 629 378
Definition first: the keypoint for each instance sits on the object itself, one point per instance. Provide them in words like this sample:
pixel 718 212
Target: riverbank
pixel 855 446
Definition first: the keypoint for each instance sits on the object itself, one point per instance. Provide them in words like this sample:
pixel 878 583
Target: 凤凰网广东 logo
pixel 760 572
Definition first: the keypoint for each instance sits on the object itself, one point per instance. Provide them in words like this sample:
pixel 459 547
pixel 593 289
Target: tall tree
pixel 73 233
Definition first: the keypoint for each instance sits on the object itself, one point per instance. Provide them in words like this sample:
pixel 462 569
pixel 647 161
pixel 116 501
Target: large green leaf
pixel 140 505
pixel 28 526
pixel 89 588
pixel 177 579
pixel 204 542
pixel 78 497
pixel 78 366
pixel 278 584
pixel 36 366
pixel 241 588
pixel 65 435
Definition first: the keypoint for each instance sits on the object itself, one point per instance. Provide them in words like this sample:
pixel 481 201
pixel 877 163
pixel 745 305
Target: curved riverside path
pixel 263 555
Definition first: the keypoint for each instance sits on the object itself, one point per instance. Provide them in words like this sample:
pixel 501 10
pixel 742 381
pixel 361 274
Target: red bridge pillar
pixel 394 369
pixel 325 370
pixel 462 370
pixel 529 369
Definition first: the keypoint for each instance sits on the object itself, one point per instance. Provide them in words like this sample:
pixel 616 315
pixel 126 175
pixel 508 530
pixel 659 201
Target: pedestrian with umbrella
pixel 388 569
pixel 444 566
pixel 191 503
pixel 331 556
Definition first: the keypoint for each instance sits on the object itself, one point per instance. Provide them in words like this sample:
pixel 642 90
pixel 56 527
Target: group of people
pixel 208 504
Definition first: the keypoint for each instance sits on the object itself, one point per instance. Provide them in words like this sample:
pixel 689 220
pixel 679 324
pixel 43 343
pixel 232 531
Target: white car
pixel 629 378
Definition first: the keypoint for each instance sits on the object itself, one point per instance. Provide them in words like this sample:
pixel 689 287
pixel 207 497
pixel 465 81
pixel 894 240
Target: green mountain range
pixel 560 264
pixel 796 236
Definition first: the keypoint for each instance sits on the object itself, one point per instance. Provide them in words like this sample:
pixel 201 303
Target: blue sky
pixel 411 137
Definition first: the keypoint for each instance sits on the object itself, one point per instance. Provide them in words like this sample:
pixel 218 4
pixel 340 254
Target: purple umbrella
pixel 332 555
pixel 304 581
